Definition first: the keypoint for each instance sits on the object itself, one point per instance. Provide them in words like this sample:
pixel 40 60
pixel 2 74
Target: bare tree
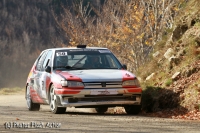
pixel 130 28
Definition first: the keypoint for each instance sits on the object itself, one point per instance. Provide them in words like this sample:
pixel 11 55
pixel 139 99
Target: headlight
pixel 134 82
pixel 64 82
pixel 72 83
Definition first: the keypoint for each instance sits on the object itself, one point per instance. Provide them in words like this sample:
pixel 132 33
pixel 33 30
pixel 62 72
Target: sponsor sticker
pixel 84 50
pixel 103 92
pixel 104 51
pixel 61 54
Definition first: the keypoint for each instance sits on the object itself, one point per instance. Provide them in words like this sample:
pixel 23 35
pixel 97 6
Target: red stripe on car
pixel 69 76
pixel 126 75
pixel 134 90
pixel 68 90
pixel 35 97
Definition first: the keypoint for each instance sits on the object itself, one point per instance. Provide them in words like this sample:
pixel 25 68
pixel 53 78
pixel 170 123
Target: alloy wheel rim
pixel 53 99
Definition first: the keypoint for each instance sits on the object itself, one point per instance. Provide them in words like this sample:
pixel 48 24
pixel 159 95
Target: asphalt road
pixel 14 117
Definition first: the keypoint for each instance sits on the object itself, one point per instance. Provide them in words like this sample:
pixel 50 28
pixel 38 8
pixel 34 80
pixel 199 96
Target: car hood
pixel 98 75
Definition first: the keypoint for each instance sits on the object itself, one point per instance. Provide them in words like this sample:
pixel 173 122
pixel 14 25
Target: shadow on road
pixel 161 102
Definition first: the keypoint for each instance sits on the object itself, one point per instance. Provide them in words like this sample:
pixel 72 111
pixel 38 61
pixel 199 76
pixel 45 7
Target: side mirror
pixel 48 69
pixel 124 66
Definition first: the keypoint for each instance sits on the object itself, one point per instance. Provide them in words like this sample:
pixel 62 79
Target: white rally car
pixel 81 77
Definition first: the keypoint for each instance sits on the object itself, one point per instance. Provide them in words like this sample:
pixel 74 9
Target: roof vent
pixel 81 46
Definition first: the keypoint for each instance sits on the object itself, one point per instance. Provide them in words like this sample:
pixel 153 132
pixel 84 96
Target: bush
pixel 157 98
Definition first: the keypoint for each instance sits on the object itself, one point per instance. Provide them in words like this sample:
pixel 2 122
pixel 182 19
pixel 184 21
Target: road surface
pixel 14 117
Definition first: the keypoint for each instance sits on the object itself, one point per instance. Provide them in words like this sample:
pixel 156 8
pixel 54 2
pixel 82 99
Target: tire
pixel 54 103
pixel 101 110
pixel 31 106
pixel 133 109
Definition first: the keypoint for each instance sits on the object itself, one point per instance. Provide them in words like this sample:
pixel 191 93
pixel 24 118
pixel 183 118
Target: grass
pixel 191 98
pixel 168 82
pixel 198 57
pixel 10 91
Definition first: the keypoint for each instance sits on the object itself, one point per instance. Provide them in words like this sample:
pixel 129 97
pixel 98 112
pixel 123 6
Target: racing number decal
pixel 61 54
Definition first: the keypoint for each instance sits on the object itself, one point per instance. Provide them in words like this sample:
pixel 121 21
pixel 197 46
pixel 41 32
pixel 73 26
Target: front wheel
pixel 101 109
pixel 31 106
pixel 133 109
pixel 54 103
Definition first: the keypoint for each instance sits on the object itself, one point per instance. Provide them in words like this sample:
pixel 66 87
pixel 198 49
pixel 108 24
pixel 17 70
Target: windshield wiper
pixel 68 67
pixel 71 67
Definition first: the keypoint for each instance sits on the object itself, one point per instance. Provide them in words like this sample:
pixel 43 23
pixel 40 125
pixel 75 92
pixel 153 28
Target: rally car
pixel 81 77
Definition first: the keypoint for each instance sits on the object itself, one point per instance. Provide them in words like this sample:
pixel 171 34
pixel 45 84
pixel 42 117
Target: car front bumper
pixel 94 97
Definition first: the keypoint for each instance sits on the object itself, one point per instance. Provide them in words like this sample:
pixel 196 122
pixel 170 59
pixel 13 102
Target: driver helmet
pixel 95 58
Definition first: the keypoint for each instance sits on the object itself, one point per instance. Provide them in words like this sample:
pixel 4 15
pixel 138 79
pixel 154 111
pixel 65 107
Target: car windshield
pixel 85 59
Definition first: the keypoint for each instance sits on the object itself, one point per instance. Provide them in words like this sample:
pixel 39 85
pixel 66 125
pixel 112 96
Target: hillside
pixel 171 79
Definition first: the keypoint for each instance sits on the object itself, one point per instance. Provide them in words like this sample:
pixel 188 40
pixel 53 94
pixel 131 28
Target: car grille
pixel 98 85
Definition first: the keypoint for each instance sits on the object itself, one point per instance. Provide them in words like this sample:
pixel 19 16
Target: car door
pixel 45 77
pixel 37 76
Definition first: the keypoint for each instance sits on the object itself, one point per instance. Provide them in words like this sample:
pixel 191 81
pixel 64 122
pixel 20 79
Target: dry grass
pixel 192 96
pixel 11 91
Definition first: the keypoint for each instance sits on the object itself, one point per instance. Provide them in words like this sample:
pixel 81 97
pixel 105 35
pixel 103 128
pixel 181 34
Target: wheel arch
pixel 48 91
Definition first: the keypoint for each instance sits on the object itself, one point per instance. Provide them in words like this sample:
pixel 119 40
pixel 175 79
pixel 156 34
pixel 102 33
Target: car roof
pixel 63 48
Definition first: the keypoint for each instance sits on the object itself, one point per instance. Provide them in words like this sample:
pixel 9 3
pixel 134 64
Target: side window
pixel 40 61
pixel 111 62
pixel 47 59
